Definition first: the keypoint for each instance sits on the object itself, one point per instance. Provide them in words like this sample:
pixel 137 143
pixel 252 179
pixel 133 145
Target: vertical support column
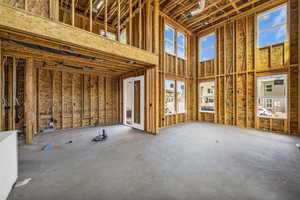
pixel 1 85
pixel 298 67
pixel 73 13
pixel 156 74
pixel 14 91
pixel 156 26
pixel 29 100
pixel 119 20
pixel 130 22
pixel 91 15
pixel 54 9
pixel 140 23
pixel 148 26
pixel 105 18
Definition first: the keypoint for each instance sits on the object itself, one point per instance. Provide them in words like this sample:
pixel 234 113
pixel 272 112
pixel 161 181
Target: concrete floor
pixel 191 161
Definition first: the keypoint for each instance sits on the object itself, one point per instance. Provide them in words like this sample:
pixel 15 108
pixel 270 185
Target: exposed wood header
pixel 21 21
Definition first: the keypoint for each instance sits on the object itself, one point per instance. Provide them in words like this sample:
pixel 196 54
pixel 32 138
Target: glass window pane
pixel 207 96
pixel 169 47
pixel 272 36
pixel 181 52
pixel 272 18
pixel 207 54
pixel 169 33
pixel 272 96
pixel 207 41
pixel 169 97
pixel 180 97
pixel 180 39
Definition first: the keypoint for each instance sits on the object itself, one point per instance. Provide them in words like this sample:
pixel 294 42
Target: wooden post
pixel 26 5
pixel 73 13
pixel 91 15
pixel 119 20
pixel 130 22
pixel 148 26
pixel 29 100
pixel 14 91
pixel 1 85
pixel 105 20
pixel 140 23
pixel 156 26
pixel 298 67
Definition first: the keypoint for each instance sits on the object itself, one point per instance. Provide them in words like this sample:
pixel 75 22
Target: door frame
pixel 142 104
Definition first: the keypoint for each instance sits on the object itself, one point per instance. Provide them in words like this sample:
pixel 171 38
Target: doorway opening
pixel 133 98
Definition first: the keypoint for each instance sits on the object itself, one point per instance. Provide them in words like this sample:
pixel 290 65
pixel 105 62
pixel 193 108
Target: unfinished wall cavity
pixel 237 65
pixel 74 100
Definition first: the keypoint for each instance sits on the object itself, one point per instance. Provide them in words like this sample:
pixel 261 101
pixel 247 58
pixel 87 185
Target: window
pixel 207 96
pixel 169 40
pixel 109 35
pixel 207 47
pixel 123 36
pixel 180 97
pixel 170 97
pixel 174 102
pixel 272 27
pixel 180 45
pixel 272 96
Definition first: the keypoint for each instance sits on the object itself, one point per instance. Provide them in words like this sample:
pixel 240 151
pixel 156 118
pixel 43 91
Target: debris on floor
pixel 69 142
pixel 47 146
pixel 24 182
pixel 100 137
pixel 298 145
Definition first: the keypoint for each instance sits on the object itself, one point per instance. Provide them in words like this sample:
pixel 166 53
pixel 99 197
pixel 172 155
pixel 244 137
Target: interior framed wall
pixel 238 63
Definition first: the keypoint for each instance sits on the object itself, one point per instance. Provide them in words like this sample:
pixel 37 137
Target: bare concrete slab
pixel 190 161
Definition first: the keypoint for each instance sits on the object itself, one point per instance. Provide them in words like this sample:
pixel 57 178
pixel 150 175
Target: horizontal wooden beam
pixel 24 22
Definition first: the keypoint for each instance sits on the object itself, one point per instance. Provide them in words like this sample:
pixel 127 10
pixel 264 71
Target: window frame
pixel 176 96
pixel 258 31
pixel 214 47
pixel 286 86
pixel 178 33
pixel 177 105
pixel 200 96
pixel 175 90
pixel 167 40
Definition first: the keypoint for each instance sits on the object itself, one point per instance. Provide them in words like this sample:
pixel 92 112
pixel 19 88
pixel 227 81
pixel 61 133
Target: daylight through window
pixel 207 47
pixel 272 27
pixel 207 96
pixel 272 96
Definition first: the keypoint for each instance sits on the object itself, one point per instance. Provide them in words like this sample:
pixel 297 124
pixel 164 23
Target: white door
pixel 133 98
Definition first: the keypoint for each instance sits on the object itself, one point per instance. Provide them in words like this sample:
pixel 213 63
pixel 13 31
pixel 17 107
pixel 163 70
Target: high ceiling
pixel 214 12
pixel 82 6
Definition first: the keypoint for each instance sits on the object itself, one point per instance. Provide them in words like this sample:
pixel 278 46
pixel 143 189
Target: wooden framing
pixel 29 100
pixel 20 20
pixel 86 79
